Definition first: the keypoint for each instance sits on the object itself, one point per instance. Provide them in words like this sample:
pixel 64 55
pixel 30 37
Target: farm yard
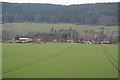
pixel 60 60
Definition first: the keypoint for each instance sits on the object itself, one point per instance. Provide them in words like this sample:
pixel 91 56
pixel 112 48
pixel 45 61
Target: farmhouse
pixel 24 40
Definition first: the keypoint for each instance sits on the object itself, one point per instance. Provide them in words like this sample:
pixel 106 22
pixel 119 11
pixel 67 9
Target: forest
pixel 89 14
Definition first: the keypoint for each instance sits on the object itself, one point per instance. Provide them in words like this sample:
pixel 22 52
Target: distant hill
pixel 90 14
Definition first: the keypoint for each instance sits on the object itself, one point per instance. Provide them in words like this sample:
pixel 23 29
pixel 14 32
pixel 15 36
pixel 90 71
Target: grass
pixel 45 27
pixel 59 60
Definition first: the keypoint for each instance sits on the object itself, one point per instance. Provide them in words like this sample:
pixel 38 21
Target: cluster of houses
pixel 65 36
pixel 105 41
pixel 29 40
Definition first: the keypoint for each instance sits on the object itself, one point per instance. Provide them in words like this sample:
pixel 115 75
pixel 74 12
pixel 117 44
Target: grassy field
pixel 45 27
pixel 59 60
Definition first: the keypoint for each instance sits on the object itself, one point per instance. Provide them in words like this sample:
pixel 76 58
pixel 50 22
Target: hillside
pixel 87 14
pixel 44 27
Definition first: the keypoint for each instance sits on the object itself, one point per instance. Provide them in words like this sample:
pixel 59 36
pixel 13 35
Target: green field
pixel 59 60
pixel 45 27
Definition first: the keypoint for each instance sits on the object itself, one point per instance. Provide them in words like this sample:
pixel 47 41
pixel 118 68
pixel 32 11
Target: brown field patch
pixel 7 26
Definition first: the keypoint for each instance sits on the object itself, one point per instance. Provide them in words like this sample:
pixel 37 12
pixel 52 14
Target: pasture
pixel 46 27
pixel 59 60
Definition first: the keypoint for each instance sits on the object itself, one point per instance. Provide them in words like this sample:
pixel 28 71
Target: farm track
pixel 112 56
pixel 43 59
pixel 106 52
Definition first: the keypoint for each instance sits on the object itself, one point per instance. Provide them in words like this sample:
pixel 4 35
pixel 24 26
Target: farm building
pixel 55 40
pixel 69 41
pixel 38 40
pixel 24 40
pixel 87 42
pixel 93 42
pixel 105 41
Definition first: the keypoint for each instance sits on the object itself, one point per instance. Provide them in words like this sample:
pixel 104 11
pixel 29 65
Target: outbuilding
pixel 106 42
pixel 87 42
pixel 24 40
pixel 69 41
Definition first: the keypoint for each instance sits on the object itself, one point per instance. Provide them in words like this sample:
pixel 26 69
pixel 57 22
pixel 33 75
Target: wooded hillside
pixel 90 14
